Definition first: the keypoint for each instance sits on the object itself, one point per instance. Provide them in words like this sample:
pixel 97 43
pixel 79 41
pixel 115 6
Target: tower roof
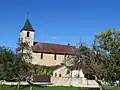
pixel 27 26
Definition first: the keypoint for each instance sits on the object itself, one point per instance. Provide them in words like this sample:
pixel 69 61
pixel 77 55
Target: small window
pixel 68 72
pixel 60 75
pixel 28 34
pixel 68 56
pixel 55 74
pixel 41 55
pixel 55 57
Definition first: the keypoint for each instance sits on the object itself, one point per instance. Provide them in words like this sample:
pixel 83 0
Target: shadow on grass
pixel 33 85
pixel 85 88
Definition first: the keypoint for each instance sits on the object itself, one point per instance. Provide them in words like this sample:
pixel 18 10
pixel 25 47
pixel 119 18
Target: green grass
pixel 115 88
pixel 5 87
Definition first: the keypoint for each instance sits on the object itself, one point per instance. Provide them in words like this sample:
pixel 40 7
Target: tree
pixel 15 66
pixel 93 62
pixel 107 44
pixel 11 65
pixel 7 56
pixel 82 58
pixel 24 50
pixel 24 53
pixel 108 41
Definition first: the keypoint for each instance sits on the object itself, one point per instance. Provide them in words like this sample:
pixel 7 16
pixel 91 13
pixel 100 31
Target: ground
pixel 3 87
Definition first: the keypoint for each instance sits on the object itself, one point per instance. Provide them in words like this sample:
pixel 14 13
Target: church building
pixel 48 54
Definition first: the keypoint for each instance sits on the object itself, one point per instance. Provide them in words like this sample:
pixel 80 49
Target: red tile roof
pixel 52 48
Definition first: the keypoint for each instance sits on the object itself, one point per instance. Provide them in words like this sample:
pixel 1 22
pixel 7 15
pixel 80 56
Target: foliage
pixel 24 50
pixel 13 66
pixel 43 70
pixel 108 41
pixel 107 45
pixel 7 56
pixel 83 58
pixel 102 60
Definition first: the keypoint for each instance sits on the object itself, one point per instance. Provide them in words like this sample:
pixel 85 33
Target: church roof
pixel 27 26
pixel 53 48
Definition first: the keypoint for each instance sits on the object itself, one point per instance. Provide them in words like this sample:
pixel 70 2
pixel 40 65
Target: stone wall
pixel 80 82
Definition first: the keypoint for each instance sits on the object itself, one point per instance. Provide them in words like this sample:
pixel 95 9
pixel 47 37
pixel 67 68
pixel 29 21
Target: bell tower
pixel 27 33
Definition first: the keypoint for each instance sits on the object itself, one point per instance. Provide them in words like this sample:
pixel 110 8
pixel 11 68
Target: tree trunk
pixel 31 88
pixel 100 84
pixel 18 86
pixel 100 87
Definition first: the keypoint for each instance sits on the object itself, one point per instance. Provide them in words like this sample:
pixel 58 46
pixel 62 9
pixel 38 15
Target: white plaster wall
pixel 77 73
pixel 48 59
pixel 63 71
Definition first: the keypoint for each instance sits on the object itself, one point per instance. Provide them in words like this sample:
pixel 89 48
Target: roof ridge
pixel 53 44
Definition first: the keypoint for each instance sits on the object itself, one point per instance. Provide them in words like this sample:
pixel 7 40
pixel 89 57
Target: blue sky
pixel 58 21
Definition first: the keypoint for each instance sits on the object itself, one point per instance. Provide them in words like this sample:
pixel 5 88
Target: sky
pixel 58 21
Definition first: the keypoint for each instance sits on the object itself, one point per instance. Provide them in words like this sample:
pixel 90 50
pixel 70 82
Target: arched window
pixel 41 55
pixel 55 74
pixel 60 75
pixel 68 56
pixel 55 57
pixel 28 34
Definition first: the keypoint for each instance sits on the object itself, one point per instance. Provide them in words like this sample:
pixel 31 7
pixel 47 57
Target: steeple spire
pixel 27 26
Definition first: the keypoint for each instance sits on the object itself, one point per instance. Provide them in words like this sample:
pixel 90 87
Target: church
pixel 50 54
pixel 47 54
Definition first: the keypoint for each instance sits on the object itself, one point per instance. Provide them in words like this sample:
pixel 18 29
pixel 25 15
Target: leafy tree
pixel 93 62
pixel 82 58
pixel 108 41
pixel 24 50
pixel 107 44
pixel 15 66
pixel 7 56
pixel 24 53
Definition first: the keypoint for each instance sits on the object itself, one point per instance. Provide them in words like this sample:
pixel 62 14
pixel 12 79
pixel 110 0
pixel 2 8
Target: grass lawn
pixel 4 87
pixel 115 88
